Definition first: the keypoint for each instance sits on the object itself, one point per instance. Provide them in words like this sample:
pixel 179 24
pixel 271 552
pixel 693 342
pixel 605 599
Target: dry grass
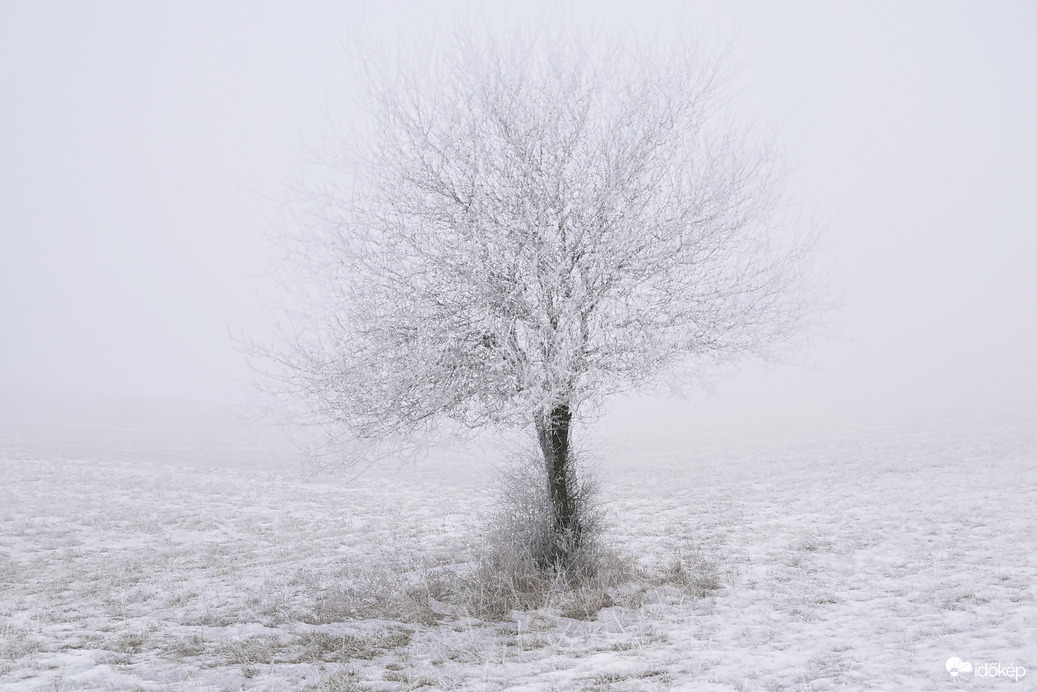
pixel 514 570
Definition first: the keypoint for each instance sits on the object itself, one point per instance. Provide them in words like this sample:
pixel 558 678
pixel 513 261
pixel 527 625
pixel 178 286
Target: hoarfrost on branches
pixel 535 223
pixel 529 227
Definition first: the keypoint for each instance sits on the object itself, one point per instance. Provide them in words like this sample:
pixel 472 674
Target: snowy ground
pixel 862 556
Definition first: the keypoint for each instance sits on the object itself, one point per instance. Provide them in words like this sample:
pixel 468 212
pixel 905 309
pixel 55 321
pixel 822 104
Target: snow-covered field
pixel 859 556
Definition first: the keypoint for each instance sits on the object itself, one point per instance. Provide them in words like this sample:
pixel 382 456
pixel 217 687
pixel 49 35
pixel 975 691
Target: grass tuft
pixel 699 575
pixel 515 571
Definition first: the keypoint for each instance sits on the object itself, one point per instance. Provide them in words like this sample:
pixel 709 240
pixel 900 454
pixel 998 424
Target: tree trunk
pixel 553 434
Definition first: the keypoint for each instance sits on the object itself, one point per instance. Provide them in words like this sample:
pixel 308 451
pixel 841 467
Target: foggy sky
pixel 145 148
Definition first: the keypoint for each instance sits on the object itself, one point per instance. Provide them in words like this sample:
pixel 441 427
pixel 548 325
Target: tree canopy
pixel 534 222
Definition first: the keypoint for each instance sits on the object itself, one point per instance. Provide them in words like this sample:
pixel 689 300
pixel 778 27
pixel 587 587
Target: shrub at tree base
pixel 527 564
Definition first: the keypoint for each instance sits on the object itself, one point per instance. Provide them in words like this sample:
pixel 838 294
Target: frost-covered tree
pixel 527 227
